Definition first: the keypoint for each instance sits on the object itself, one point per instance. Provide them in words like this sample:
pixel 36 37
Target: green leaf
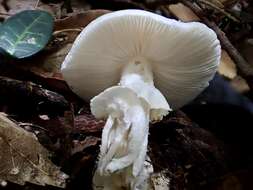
pixel 26 33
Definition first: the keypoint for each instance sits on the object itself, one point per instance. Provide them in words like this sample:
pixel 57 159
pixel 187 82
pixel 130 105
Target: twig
pixel 67 30
pixel 23 125
pixel 215 3
pixel 6 14
pixel 244 68
pixel 37 4
pixel 219 10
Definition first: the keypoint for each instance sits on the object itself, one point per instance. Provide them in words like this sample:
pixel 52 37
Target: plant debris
pixel 50 138
pixel 26 33
pixel 23 159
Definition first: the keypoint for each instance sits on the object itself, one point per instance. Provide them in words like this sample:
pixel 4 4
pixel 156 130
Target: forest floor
pixel 205 145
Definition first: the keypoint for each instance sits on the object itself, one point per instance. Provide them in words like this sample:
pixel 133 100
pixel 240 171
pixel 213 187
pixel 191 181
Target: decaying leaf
pixel 79 20
pixel 16 6
pixel 86 123
pixel 227 66
pixel 183 13
pixel 24 159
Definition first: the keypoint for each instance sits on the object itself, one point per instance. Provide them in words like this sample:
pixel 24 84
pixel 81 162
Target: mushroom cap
pixel 183 56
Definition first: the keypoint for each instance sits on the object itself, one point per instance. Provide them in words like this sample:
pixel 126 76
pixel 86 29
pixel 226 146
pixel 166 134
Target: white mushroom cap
pixel 183 56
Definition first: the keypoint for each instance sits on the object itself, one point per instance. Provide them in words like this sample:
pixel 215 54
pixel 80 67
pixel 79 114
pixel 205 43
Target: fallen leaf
pixel 227 66
pixel 24 159
pixel 16 6
pixel 55 8
pixel 86 123
pixel 26 33
pixel 79 20
pixel 183 13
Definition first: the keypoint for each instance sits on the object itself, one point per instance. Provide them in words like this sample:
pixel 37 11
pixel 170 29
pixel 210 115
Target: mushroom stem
pixel 137 70
pixel 138 76
pixel 128 108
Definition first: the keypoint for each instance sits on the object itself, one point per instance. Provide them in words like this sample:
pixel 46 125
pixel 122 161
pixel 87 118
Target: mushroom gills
pixel 128 107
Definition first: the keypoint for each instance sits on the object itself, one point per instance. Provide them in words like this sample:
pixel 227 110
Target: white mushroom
pixel 132 65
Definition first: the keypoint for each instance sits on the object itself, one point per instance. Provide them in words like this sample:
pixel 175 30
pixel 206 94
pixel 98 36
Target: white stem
pixel 138 70
pixel 129 108
pixel 138 76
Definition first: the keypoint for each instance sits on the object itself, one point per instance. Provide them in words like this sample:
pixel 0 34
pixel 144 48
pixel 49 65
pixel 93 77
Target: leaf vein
pixel 12 50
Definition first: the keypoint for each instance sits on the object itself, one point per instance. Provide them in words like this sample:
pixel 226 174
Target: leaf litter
pixel 192 155
pixel 24 159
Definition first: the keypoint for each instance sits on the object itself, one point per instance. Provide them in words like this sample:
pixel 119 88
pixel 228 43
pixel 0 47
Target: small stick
pixel 37 4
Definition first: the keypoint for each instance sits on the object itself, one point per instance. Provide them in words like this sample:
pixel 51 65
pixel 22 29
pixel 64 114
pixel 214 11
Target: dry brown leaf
pixel 79 20
pixel 227 66
pixel 240 84
pixel 183 13
pixel 24 159
pixel 16 6
pixel 56 8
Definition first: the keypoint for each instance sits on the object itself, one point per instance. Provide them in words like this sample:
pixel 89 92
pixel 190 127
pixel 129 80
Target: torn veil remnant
pixel 133 65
